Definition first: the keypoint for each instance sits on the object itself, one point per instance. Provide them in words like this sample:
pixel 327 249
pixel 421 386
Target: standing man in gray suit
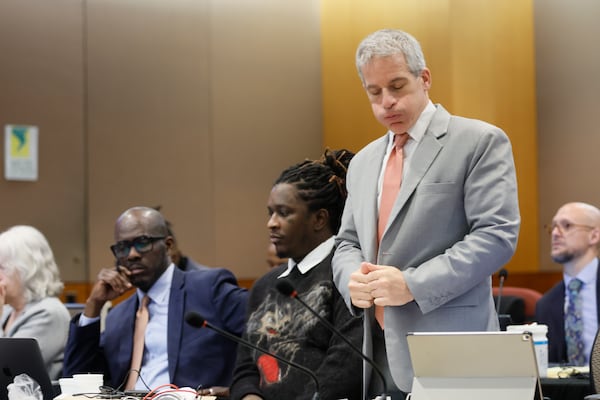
pixel 453 223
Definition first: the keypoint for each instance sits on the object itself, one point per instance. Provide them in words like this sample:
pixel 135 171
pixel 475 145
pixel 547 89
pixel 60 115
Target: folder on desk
pixel 473 366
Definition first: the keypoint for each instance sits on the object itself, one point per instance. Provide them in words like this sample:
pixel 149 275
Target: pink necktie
pixel 392 179
pixel 141 322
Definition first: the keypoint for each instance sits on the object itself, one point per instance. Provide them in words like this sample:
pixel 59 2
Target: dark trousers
pixel 380 358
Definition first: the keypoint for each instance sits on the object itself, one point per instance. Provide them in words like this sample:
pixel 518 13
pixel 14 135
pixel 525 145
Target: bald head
pixel 585 213
pixel 575 236
pixel 147 218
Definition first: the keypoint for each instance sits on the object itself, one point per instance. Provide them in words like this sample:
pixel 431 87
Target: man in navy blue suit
pixel 575 234
pixel 174 351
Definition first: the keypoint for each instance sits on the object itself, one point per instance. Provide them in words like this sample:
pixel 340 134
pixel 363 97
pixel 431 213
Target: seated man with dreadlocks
pixel 305 208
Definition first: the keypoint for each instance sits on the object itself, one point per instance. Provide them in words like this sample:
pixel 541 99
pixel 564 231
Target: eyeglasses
pixel 565 227
pixel 142 244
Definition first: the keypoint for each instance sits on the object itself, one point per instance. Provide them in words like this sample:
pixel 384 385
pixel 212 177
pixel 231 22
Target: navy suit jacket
pixel 196 356
pixel 550 310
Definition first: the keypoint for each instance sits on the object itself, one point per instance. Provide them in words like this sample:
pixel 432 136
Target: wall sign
pixel 20 153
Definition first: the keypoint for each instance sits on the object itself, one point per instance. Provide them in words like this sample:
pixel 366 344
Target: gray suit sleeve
pixel 492 220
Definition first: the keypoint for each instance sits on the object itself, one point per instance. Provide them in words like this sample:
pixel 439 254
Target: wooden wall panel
pixel 568 62
pixel 196 106
pixel 149 140
pixel 266 115
pixel 42 84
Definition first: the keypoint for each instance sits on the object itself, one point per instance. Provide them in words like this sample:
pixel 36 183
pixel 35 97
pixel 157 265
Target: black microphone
pixel 287 289
pixel 195 319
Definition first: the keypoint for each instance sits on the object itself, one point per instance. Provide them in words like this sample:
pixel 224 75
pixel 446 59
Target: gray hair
pixel 25 250
pixel 388 42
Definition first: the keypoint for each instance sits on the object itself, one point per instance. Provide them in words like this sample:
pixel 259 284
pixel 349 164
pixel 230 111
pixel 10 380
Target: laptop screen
pixel 23 356
pixel 473 365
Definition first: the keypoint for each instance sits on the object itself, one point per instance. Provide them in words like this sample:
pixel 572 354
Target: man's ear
pixel 595 236
pixel 169 243
pixel 321 219
pixel 426 76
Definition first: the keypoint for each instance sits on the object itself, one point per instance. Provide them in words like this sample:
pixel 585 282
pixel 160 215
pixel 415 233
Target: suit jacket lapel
pixel 175 319
pixel 124 323
pixel 370 213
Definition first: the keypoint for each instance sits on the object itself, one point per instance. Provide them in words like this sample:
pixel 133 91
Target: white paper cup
pixel 88 383
pixel 67 386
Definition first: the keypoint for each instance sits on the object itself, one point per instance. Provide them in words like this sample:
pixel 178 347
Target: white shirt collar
pixel 587 275
pixel 417 131
pixel 312 259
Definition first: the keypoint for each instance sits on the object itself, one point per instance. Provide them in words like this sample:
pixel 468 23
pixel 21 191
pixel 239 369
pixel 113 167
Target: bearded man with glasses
pixel 571 308
pixel 172 352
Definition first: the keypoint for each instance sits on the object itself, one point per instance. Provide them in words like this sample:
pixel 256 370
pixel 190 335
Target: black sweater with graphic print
pixel 283 326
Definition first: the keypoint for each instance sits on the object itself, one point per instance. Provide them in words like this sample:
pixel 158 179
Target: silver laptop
pixel 473 366
pixel 23 355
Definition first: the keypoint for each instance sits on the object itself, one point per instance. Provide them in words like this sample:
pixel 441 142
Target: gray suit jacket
pixel 47 321
pixel 455 222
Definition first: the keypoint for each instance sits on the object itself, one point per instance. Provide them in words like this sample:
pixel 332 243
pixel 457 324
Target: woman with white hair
pixel 29 284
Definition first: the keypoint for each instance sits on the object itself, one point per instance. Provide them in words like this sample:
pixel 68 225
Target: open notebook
pixel 473 366
pixel 22 355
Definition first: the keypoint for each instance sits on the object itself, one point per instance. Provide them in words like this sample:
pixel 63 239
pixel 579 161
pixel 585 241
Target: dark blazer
pixel 550 310
pixel 196 356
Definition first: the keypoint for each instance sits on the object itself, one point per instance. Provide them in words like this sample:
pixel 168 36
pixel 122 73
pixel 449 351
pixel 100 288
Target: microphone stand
pixel 287 289
pixel 503 319
pixel 196 320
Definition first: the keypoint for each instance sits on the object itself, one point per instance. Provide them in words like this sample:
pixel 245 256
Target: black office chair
pixel 595 369
pixel 529 296
pixel 512 307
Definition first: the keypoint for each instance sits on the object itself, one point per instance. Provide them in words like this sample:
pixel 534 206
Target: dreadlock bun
pixel 322 183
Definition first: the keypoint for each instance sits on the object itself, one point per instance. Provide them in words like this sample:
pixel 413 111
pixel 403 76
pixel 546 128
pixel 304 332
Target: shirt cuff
pixel 85 321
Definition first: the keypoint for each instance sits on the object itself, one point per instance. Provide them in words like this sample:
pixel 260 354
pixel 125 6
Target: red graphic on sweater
pixel 269 369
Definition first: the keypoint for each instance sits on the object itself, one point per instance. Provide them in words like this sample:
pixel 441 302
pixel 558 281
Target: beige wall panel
pixel 197 106
pixel 482 62
pixel 568 87
pixel 149 120
pixel 41 84
pixel 266 110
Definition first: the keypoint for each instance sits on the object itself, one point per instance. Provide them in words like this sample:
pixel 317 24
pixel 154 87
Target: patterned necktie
pixel 141 322
pixel 574 325
pixel 392 179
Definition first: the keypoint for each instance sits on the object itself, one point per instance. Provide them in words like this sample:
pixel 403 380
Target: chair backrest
pixel 514 306
pixel 75 308
pixel 530 296
pixel 595 364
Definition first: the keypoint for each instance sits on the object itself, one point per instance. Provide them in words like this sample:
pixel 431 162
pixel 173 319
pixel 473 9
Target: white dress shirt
pixel 155 362
pixel 416 133
pixel 312 259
